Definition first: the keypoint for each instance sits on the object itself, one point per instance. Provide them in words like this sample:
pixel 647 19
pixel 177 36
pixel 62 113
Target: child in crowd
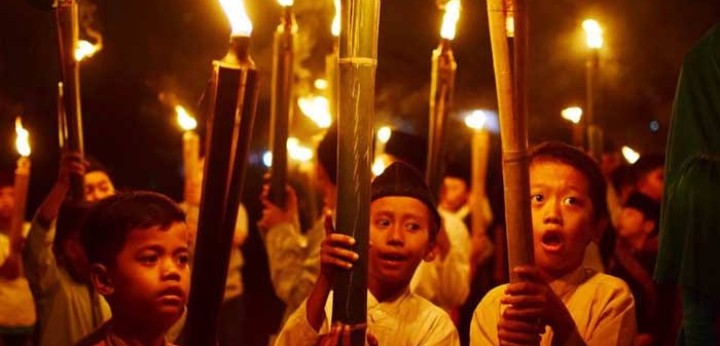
pixel 56 267
pixel 98 184
pixel 560 302
pixel 137 247
pixel 403 225
pixel 634 260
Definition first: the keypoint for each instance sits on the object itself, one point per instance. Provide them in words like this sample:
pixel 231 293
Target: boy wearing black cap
pixel 403 225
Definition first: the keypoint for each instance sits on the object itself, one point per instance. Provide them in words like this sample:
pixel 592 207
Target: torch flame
pixel 630 155
pixel 317 108
pixel 285 3
pixel 573 114
pixel 476 120
pixel 593 33
pixel 297 151
pixel 384 134
pixel 510 26
pixel 452 15
pixel 378 167
pixel 85 49
pixel 186 121
pixel 239 20
pixel 22 139
pixel 335 29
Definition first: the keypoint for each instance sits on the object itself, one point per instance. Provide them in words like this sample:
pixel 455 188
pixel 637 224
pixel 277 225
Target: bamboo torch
pixel 231 115
pixel 513 126
pixel 190 148
pixel 281 101
pixel 22 181
pixel 357 66
pixel 331 63
pixel 442 85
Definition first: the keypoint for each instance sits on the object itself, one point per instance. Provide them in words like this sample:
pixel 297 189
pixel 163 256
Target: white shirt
pixel 408 320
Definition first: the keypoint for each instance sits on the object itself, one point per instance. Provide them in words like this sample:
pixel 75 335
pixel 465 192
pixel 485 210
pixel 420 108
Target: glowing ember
pixel 317 108
pixel 239 20
pixel 630 155
pixel 593 33
pixel 572 114
pixel 452 15
pixel 22 139
pixel 186 121
pixel 476 120
pixel 85 49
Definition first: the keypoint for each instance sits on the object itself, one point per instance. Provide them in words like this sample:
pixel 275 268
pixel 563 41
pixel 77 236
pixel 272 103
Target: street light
pixel 574 115
pixel 594 41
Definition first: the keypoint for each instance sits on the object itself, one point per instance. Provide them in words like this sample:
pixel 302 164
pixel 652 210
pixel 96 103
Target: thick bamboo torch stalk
pixel 22 182
pixel 281 105
pixel 357 66
pixel 66 17
pixel 480 150
pixel 594 133
pixel 513 126
pixel 331 64
pixel 61 117
pixel 232 106
pixel 441 92
pixel 190 149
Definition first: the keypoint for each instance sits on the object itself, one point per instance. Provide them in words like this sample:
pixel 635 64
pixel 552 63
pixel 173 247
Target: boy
pixel 56 266
pixel 579 305
pixel 98 184
pixel 137 246
pixel 403 226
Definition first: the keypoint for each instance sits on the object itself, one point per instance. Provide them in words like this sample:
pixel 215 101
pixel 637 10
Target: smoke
pixel 87 21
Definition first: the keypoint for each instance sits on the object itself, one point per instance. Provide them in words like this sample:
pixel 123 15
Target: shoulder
pixel 96 338
pixel 607 288
pixel 492 298
pixel 428 310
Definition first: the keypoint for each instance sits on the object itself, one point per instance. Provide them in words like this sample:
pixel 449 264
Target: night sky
pixel 158 50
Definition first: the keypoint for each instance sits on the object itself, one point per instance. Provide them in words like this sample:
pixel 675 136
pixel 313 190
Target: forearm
pixel 315 306
pixel 50 207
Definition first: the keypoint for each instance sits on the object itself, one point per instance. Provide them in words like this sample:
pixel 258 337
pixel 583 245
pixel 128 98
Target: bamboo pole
pixel 281 105
pixel 66 17
pixel 594 132
pixel 513 126
pixel 234 98
pixel 442 86
pixel 357 65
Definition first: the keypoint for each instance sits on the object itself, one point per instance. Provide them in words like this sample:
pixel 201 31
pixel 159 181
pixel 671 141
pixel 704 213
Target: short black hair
pixel 649 207
pixel 327 153
pixel 565 154
pixel 96 166
pixel 111 219
pixel 646 164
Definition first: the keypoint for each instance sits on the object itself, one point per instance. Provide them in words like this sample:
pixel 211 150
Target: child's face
pixel 454 193
pixel 562 216
pixel 151 276
pixel 399 239
pixel 632 223
pixel 652 184
pixel 98 186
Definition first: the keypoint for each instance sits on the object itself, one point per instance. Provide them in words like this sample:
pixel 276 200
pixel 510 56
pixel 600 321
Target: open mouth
pixel 393 258
pixel 552 241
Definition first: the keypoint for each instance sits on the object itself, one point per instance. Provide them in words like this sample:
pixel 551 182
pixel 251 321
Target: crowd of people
pixel 115 268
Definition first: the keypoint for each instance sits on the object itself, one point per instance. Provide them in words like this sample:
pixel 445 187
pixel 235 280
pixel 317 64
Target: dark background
pixel 163 47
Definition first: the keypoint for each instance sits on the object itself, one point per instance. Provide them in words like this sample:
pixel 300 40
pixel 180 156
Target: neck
pixel 637 242
pixel 136 333
pixel 384 291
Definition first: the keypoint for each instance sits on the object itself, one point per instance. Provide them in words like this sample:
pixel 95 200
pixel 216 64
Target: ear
pixel 431 252
pixel 100 278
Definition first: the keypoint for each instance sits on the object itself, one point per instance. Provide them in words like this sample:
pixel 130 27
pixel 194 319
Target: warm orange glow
pixel 335 29
pixel 384 134
pixel 317 108
pixel 572 114
pixel 85 49
pixel 630 155
pixel 186 121
pixel 593 33
pixel 321 84
pixel 298 152
pixel 378 167
pixel 239 20
pixel 510 26
pixel 22 139
pixel 285 3
pixel 452 15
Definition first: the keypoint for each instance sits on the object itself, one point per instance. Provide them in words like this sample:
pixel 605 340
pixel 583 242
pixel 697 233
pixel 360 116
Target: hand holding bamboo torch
pixel 442 86
pixel 511 93
pixel 230 121
pixel 281 101
pixel 22 182
pixel 190 150
pixel 357 64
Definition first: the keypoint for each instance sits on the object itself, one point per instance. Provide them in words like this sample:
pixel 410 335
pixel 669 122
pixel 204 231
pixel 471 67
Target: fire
pixel 297 151
pixel 378 167
pixel 285 3
pixel 186 121
pixel 476 120
pixel 317 108
pixel 510 26
pixel 335 29
pixel 452 15
pixel 85 49
pixel 593 33
pixel 22 139
pixel 239 20
pixel 630 155
pixel 384 134
pixel 573 114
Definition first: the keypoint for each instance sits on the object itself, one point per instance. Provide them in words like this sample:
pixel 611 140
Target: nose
pixel 551 212
pixel 171 270
pixel 395 235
